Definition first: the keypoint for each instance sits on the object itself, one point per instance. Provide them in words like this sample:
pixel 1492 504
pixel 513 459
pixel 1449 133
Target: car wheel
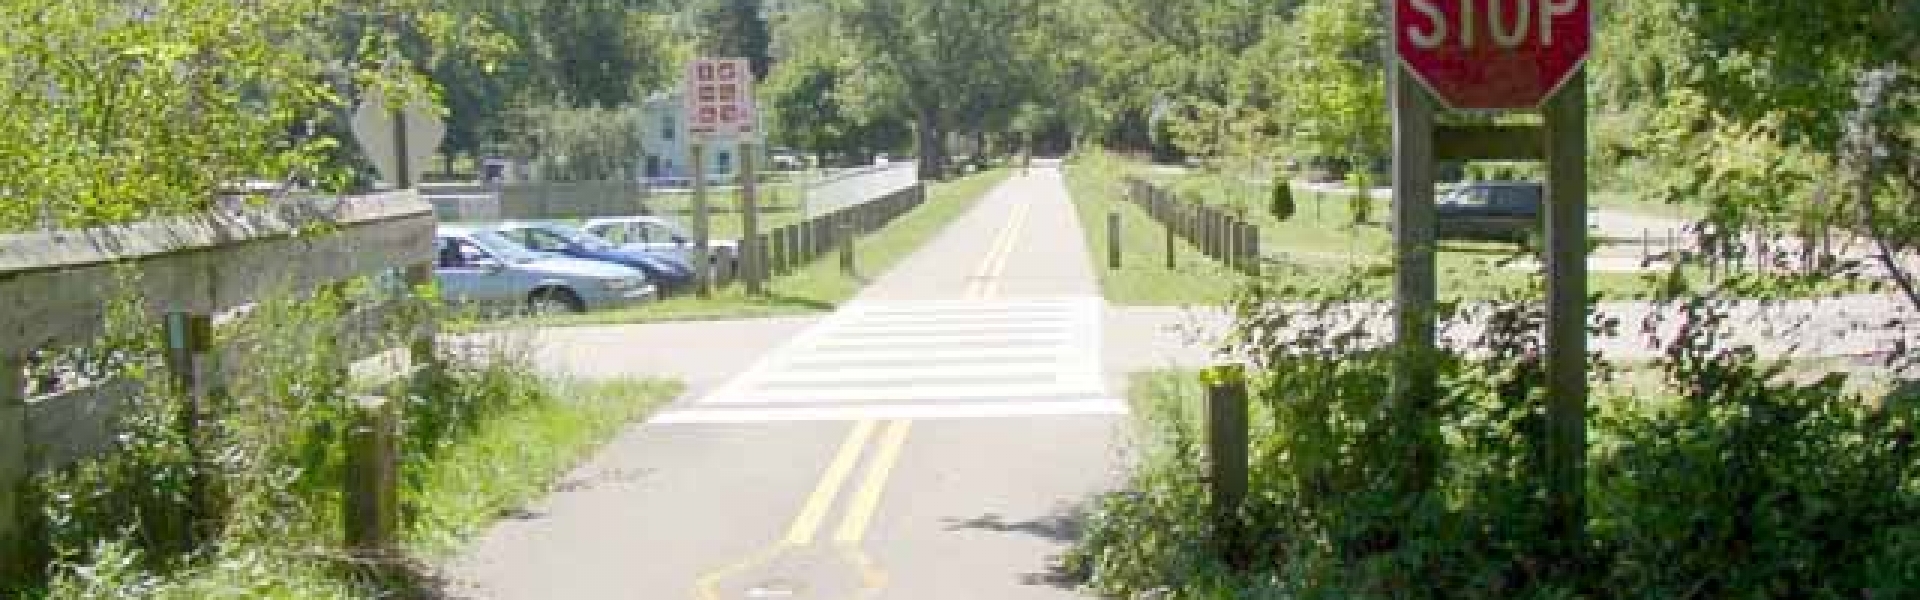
pixel 554 301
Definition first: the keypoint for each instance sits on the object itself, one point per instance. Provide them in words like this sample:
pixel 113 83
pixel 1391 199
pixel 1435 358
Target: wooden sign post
pixel 719 103
pixel 1497 55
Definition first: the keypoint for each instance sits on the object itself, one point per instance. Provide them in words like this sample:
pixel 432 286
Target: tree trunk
pixel 933 147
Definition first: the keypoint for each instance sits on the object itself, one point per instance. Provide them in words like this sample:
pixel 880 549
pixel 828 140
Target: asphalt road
pixel 936 438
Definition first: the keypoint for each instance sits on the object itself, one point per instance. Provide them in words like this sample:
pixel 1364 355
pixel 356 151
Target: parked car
pixel 1491 210
pixel 656 234
pixel 480 266
pixel 665 269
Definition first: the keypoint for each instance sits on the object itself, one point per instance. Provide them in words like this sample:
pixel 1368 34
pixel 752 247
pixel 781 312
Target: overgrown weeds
pixel 246 501
pixel 1735 482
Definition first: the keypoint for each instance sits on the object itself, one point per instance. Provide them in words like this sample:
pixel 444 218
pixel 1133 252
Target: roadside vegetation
pixel 1711 473
pixel 1320 243
pixel 258 513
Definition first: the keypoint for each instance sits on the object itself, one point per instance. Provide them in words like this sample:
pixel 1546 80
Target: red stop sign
pixel 1492 54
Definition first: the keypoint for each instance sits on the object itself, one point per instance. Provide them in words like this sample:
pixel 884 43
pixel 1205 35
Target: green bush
pixel 1281 202
pixel 1739 483
pixel 126 523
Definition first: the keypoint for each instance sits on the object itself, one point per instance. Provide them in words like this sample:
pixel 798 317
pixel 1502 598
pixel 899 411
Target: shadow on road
pixel 1065 525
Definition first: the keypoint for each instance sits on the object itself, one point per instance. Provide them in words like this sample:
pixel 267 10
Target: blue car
pixel 667 271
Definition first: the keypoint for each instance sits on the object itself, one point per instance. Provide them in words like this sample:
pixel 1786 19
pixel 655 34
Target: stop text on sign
pixel 1508 23
pixel 1492 54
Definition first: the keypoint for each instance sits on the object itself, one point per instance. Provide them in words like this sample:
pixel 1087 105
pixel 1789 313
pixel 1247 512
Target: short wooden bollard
pixel 846 248
pixel 1170 227
pixel 13 470
pixel 1253 251
pixel 1226 452
pixel 1113 240
pixel 777 252
pixel 371 500
pixel 189 339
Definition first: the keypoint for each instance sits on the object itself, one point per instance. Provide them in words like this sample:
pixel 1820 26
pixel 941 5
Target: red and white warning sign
pixel 1492 54
pixel 719 99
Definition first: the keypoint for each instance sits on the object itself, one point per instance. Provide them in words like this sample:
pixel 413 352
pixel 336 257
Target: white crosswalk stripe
pixel 929 360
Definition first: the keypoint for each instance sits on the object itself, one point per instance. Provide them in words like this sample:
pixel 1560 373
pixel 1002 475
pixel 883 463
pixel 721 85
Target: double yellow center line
pixel 985 282
pixel 865 499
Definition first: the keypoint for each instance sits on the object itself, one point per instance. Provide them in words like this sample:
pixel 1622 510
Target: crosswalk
pixel 925 360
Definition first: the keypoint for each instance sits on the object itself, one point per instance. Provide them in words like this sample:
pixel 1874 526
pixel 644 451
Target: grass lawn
pixel 819 286
pixel 1143 279
pixel 1318 250
pixel 517 458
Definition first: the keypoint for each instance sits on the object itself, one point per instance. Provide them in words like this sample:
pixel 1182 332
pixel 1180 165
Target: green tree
pixel 119 111
pixel 939 57
pixel 737 28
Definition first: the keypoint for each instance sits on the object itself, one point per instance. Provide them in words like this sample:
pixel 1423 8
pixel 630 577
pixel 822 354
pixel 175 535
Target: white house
pixel 666 149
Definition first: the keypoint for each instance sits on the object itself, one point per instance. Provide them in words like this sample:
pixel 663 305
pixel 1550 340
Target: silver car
pixel 479 266
pixel 655 234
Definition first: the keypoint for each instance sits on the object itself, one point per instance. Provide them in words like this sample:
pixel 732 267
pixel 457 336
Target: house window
pixel 666 127
pixel 724 164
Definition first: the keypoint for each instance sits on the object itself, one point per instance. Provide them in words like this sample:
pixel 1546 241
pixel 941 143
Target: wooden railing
pixel 792 247
pixel 1217 234
pixel 59 288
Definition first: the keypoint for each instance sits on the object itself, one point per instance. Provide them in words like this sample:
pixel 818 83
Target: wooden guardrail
pixel 793 246
pixel 1217 234
pixel 59 287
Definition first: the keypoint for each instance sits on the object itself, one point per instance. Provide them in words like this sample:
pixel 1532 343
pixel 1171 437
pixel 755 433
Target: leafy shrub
pixel 1739 482
pixel 269 457
pixel 1281 203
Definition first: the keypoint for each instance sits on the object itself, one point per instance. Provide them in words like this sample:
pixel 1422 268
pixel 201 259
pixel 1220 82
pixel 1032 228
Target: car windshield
pixel 505 249
pixel 581 238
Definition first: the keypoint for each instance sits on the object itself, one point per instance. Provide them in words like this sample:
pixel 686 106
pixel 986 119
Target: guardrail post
pixel 1113 239
pixel 1254 259
pixel 1226 452
pixel 371 500
pixel 13 469
pixel 796 247
pixel 1170 227
pixel 846 247
pixel 189 339
pixel 789 249
pixel 420 345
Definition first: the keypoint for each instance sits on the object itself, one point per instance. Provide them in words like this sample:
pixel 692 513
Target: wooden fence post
pixel 420 345
pixel 13 469
pixel 1170 228
pixel 1226 452
pixel 189 342
pixel 1254 258
pixel 846 247
pixel 371 500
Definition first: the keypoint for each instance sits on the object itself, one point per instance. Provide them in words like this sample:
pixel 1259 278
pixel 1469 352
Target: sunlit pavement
pixel 936 438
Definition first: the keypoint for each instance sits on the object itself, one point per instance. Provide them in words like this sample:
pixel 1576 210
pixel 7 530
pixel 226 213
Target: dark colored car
pixel 668 272
pixel 1491 210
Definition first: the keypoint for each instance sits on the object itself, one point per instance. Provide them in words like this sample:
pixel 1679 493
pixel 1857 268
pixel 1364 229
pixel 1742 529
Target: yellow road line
pixel 808 522
pixel 707 586
pixel 860 509
pixel 977 283
pixel 871 577
pixel 1015 225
